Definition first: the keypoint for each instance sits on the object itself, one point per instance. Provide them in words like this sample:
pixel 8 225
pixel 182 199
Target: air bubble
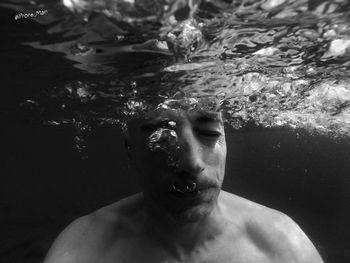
pixel 165 140
pixel 81 50
pixel 172 124
pixel 223 56
pixel 119 38
pixel 162 139
pixel 253 98
pixel 221 96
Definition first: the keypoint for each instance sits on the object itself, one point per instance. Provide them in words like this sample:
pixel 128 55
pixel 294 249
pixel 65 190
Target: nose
pixel 190 154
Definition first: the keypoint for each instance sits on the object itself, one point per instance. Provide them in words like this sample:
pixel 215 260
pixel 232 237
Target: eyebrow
pixel 205 116
pixel 200 117
pixel 153 124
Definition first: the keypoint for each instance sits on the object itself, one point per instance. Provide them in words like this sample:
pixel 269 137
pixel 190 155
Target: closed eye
pixel 208 134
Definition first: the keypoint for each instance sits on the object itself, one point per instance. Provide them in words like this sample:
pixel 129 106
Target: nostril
pixel 178 186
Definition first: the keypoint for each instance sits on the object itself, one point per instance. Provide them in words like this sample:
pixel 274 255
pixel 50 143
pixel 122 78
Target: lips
pixel 184 187
pixel 188 193
pixel 193 190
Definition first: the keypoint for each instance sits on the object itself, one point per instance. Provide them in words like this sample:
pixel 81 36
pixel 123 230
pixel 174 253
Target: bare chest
pixel 223 251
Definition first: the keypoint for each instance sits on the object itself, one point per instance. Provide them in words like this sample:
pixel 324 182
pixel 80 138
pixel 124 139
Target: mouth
pixel 190 191
pixel 190 188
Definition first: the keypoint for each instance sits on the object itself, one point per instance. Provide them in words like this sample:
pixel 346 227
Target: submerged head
pixel 180 158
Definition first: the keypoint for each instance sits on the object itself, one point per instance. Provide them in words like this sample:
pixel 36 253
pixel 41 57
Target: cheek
pixel 150 166
pixel 216 156
pixel 223 152
pixel 216 161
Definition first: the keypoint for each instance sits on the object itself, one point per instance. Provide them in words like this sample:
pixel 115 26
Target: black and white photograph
pixel 175 131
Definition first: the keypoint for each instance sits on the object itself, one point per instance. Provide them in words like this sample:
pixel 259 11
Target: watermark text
pixel 31 15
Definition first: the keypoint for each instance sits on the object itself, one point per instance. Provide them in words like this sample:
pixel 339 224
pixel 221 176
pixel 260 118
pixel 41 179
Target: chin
pixel 182 213
pixel 185 209
pixel 191 215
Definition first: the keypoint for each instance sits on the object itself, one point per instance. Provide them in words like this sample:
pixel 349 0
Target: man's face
pixel 180 157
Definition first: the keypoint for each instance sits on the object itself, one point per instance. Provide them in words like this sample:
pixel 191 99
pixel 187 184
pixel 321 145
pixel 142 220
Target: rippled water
pixel 273 63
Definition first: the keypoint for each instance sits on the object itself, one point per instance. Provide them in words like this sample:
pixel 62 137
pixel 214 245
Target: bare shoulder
pixel 88 236
pixel 273 232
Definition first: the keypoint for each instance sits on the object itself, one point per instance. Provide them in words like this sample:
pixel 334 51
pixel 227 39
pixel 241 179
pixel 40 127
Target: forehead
pixel 179 116
pixel 159 117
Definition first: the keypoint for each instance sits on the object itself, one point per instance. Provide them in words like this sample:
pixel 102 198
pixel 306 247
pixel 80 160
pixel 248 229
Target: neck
pixel 180 238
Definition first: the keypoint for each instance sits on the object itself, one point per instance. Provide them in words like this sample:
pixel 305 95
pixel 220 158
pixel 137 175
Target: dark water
pixel 69 82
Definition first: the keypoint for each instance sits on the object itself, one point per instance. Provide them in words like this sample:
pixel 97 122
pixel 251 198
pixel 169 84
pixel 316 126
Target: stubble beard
pixel 182 211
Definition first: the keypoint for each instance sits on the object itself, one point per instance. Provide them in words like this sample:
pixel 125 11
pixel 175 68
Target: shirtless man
pixel 182 215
